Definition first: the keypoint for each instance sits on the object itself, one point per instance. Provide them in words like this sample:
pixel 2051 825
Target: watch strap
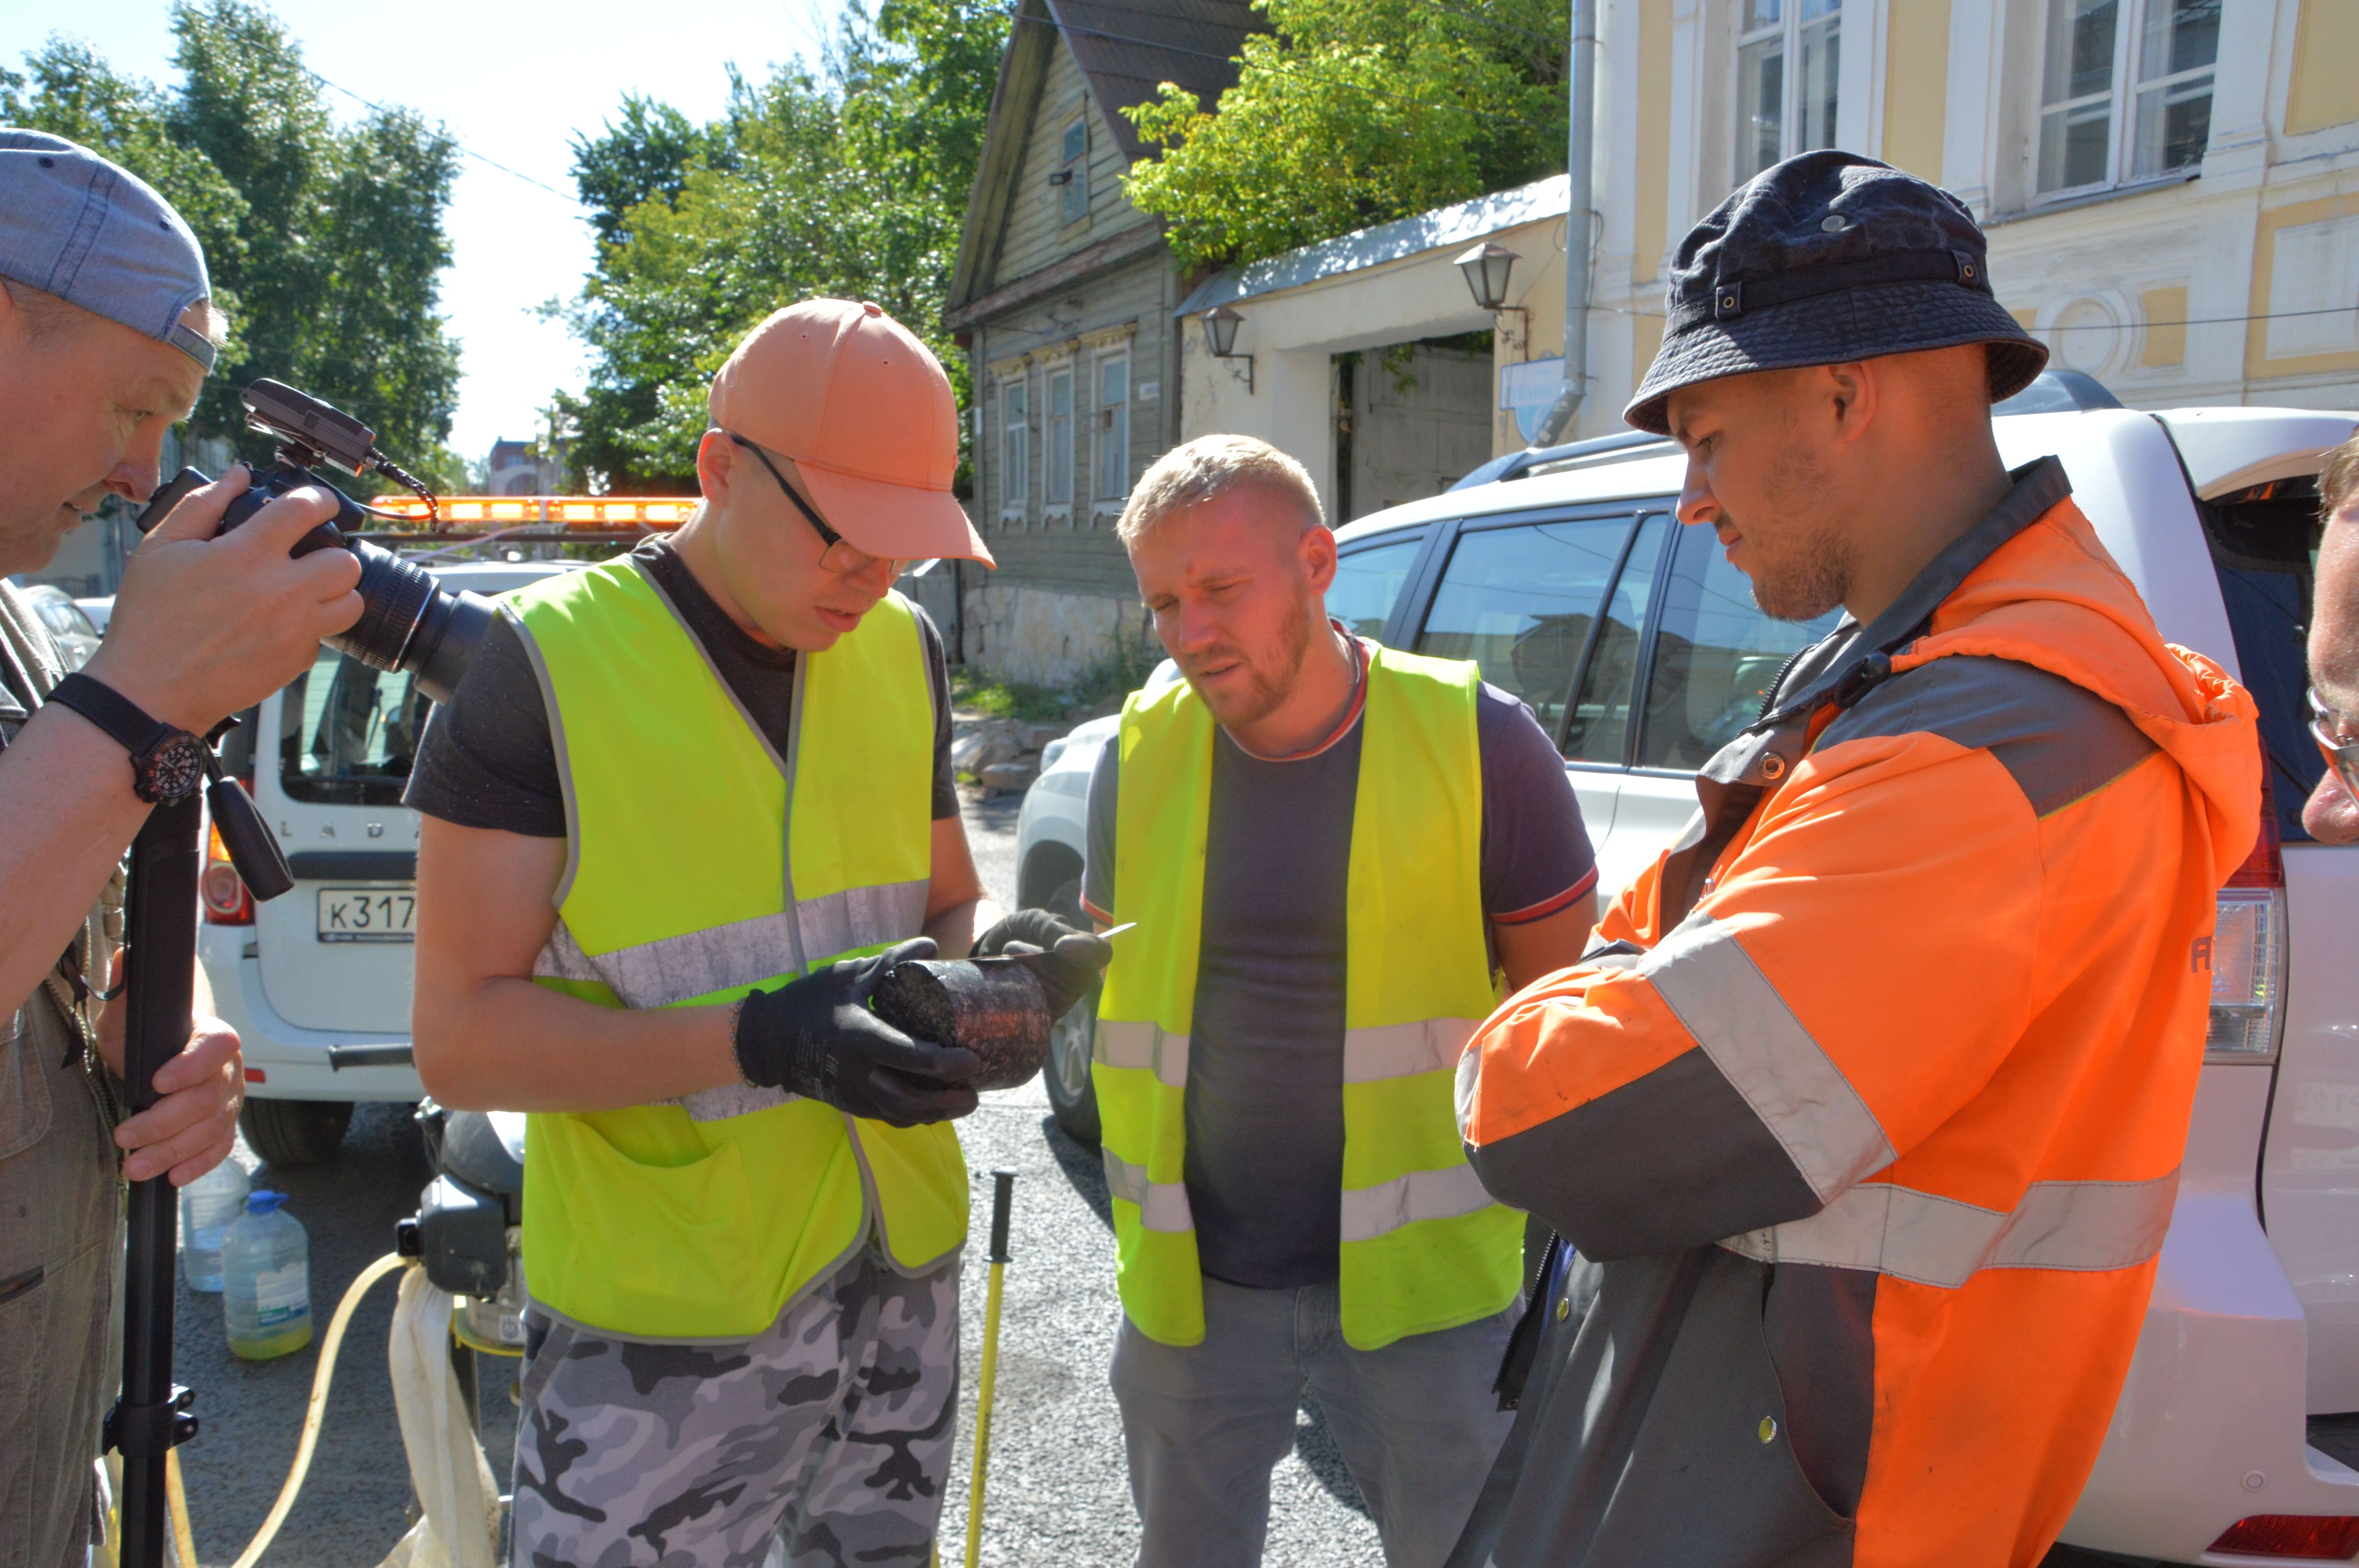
pixel 132 727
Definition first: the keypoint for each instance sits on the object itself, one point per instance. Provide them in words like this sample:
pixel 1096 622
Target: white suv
pixel 317 982
pixel 1567 575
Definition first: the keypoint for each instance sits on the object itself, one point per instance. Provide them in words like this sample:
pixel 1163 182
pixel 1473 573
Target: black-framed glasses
pixel 837 554
pixel 2330 728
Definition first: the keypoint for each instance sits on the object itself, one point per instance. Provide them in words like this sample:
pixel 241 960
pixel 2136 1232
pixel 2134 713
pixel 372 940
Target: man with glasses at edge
pixel 681 814
pixel 2332 813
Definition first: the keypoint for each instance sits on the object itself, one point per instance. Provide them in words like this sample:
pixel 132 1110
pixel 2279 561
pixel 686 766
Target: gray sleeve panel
pixel 1097 861
pixel 1821 1328
pixel 2057 740
pixel 1673 1159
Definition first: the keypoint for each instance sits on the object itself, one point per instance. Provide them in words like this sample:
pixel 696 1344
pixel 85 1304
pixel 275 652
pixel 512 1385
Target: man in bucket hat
pixel 1861 1130
pixel 682 813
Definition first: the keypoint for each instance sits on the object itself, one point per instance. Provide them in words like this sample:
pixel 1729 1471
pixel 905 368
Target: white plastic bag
pixel 453 1481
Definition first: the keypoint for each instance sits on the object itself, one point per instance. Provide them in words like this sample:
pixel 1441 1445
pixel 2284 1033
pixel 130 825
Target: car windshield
pixel 348 733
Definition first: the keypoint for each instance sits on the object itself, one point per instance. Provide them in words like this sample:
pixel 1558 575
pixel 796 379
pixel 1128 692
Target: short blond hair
pixel 1208 468
pixel 208 320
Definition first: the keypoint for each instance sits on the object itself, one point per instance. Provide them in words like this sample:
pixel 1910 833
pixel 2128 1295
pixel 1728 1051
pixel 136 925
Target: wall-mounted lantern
pixel 1220 337
pixel 1487 266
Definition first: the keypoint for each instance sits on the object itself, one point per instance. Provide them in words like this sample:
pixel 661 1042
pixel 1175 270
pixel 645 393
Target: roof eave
pixel 1022 64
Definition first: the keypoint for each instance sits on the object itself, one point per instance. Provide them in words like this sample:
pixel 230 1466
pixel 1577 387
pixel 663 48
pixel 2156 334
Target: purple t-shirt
pixel 1264 1098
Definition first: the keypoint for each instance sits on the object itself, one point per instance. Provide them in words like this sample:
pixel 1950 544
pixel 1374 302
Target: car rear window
pixel 348 733
pixel 1368 581
pixel 1520 600
pixel 2264 548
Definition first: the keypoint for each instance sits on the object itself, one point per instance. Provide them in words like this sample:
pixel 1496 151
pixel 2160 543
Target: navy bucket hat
pixel 1825 258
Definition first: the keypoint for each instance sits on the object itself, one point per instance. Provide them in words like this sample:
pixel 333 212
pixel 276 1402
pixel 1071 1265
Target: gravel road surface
pixel 1058 1490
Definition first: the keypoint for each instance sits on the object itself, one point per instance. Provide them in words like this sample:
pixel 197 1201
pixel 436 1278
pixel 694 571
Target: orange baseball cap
pixel 864 410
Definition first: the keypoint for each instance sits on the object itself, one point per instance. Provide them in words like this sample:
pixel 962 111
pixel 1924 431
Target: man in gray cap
pixel 1861 1132
pixel 107 330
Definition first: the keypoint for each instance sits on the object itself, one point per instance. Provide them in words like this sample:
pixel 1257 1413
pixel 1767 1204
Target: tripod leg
pixel 161 930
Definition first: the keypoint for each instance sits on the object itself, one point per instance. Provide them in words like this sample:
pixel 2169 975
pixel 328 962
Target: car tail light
pixel 2247 953
pixel 2315 1537
pixel 225 899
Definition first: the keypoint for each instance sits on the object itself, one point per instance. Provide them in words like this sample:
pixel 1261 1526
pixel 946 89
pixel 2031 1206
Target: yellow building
pixel 2170 187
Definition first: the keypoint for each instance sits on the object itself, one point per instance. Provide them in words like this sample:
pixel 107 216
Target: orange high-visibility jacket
pixel 1866 1127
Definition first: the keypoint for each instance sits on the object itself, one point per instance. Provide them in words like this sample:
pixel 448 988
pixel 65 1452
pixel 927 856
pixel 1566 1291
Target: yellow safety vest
pixel 1424 1247
pixel 700 865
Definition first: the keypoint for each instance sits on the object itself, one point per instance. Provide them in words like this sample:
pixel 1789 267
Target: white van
pixel 317 982
pixel 1567 576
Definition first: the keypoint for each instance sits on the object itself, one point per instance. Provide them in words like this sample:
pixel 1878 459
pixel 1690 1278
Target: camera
pixel 409 621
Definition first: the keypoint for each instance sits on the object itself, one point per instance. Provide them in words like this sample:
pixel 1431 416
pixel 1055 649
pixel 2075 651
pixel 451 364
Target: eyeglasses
pixel 2329 727
pixel 837 554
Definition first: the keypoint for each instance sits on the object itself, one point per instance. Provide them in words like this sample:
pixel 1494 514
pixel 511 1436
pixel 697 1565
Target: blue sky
pixel 514 81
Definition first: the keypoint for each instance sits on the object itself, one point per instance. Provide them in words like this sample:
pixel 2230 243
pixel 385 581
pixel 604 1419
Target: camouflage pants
pixel 830 1433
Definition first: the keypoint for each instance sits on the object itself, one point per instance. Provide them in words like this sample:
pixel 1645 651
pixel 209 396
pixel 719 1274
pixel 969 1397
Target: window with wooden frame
pixel 1073 176
pixel 2124 91
pixel 1059 457
pixel 1110 429
pixel 1014 445
pixel 1789 63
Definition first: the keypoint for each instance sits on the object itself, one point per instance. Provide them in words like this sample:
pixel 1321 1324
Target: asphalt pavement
pixel 1058 1490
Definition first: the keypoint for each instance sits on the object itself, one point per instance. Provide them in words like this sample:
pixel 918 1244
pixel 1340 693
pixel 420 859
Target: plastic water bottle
pixel 266 1280
pixel 208 1205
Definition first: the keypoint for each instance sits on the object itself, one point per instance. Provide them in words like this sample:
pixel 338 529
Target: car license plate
pixel 368 914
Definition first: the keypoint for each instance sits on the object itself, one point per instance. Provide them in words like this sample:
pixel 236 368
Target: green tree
pixel 1348 112
pixel 848 179
pixel 324 243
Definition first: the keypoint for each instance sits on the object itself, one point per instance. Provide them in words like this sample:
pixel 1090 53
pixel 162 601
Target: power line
pixel 2083 325
pixel 2194 321
pixel 463 147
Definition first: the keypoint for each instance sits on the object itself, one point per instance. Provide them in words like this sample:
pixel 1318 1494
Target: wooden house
pixel 1063 295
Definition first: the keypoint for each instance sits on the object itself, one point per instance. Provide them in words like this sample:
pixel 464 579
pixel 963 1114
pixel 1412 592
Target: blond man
pixel 1333 850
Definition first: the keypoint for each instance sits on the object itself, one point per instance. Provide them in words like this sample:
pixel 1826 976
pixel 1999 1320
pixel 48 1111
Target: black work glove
pixel 817 1037
pixel 1067 961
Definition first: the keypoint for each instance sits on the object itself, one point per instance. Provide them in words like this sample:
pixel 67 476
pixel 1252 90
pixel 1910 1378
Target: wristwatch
pixel 168 764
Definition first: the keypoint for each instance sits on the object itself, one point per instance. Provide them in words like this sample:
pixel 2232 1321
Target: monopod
pixel 152 1416
pixel 1003 1194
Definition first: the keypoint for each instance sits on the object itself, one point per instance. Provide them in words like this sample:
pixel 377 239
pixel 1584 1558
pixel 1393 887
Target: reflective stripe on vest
pixel 702 864
pixel 1424 1247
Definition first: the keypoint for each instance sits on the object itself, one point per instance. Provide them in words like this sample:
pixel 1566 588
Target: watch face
pixel 176 768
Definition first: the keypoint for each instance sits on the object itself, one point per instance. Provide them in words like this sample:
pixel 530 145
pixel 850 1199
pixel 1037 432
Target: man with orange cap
pixel 683 812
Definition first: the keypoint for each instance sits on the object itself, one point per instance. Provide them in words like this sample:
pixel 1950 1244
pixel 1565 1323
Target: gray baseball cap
pixel 98 236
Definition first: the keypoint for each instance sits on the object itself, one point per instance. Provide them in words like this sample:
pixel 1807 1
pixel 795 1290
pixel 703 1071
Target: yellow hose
pixel 184 1539
pixel 312 1417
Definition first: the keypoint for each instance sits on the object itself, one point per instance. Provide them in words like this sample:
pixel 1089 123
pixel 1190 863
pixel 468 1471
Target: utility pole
pixel 1558 421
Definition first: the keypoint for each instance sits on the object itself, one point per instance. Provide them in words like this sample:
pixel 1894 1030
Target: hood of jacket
pixel 2054 598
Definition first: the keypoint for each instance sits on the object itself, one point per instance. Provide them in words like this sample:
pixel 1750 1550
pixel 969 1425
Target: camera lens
pixel 394 594
pixel 409 621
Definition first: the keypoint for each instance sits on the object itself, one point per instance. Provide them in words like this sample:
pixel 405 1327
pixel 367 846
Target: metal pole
pixel 1002 1193
pixel 1559 422
pixel 161 929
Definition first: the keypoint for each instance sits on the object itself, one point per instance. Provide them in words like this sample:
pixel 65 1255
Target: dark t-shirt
pixel 486 759
pixel 1264 1097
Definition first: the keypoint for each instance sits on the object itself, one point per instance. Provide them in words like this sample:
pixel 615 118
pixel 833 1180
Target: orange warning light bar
pixel 562 511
